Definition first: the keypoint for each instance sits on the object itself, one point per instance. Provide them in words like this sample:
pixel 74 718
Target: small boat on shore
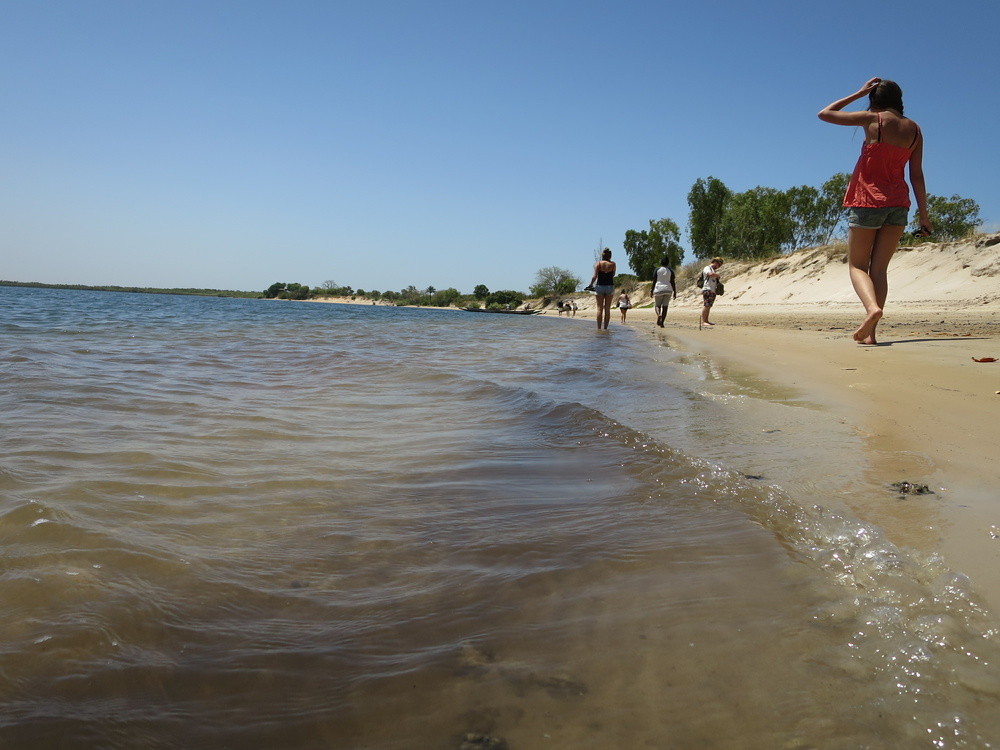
pixel 502 312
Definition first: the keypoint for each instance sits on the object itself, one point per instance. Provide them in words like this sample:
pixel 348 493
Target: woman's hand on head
pixel 870 86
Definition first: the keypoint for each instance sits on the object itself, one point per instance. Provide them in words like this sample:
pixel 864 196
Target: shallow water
pixel 255 524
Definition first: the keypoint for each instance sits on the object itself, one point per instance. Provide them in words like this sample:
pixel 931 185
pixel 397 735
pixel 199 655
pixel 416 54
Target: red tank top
pixel 878 180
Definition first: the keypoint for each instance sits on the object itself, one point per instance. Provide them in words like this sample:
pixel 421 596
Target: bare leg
pixel 860 244
pixel 704 316
pixel 603 310
pixel 870 251
pixel 886 244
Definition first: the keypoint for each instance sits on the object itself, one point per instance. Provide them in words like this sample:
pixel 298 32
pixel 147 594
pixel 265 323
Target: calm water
pixel 250 524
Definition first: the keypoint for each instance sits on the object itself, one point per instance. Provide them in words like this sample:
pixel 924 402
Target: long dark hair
pixel 886 95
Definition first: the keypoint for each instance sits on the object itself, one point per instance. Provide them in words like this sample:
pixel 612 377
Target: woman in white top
pixel 664 289
pixel 624 303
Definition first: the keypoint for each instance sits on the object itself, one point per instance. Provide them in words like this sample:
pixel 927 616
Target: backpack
pixel 701 279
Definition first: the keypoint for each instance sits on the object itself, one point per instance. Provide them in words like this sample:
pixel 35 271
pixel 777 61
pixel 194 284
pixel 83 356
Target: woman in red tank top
pixel 878 196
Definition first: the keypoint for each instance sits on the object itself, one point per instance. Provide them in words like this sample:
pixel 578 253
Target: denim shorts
pixel 876 218
pixel 604 289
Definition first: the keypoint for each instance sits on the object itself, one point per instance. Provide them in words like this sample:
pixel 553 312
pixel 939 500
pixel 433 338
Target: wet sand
pixel 926 410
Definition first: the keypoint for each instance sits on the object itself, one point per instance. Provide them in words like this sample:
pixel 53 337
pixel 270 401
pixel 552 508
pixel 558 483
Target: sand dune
pixel 926 274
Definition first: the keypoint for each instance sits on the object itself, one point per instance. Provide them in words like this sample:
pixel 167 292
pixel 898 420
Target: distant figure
pixel 664 289
pixel 709 288
pixel 603 283
pixel 877 195
pixel 624 304
pixel 573 303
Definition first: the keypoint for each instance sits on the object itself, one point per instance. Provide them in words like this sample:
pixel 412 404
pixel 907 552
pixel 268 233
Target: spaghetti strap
pixel 879 114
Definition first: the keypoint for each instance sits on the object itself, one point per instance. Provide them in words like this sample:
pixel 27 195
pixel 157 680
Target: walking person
pixel 709 289
pixel 664 289
pixel 878 197
pixel 603 284
pixel 624 304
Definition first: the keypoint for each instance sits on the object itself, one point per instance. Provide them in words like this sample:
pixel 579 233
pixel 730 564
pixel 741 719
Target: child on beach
pixel 877 195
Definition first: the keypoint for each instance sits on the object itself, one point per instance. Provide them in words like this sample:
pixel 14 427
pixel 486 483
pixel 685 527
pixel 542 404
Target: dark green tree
pixel 637 249
pixel 411 296
pixel 664 240
pixel 445 297
pixel 830 207
pixel 953 218
pixel 480 291
pixel 275 289
pixel 553 280
pixel 505 297
pixel 646 249
pixel 807 216
pixel 709 204
pixel 295 291
pixel 760 222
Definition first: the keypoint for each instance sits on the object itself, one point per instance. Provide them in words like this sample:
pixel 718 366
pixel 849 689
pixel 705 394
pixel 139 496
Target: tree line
pixel 193 292
pixel 763 222
pixel 410 296
pixel 753 225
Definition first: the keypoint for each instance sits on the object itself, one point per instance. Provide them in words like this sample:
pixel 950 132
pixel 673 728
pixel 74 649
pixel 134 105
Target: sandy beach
pixel 925 408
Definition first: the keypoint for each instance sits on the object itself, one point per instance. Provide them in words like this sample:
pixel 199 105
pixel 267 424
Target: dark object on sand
pixel 909 488
pixel 476 741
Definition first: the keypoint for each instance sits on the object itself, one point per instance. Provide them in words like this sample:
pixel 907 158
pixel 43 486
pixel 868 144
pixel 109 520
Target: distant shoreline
pixel 135 289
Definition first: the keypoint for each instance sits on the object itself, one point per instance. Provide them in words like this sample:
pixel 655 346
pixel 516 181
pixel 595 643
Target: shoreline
pixel 924 410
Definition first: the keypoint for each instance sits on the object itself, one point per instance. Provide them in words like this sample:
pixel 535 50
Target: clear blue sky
pixel 231 144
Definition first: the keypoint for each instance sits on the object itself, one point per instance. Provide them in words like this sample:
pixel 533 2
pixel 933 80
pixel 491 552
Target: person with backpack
pixel 709 289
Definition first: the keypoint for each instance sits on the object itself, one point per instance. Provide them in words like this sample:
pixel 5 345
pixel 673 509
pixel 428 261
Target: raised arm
pixel 832 112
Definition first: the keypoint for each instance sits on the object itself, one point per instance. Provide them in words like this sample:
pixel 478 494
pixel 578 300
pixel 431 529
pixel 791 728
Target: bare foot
pixel 867 328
